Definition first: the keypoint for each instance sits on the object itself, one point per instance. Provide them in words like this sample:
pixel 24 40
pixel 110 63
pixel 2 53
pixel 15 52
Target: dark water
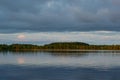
pixel 83 65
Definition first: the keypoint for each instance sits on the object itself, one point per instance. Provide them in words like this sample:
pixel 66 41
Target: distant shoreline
pixel 65 50
pixel 59 46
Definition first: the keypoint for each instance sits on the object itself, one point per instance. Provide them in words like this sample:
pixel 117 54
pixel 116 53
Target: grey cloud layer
pixel 59 15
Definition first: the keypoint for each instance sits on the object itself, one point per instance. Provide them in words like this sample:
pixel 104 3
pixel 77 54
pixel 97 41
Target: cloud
pixel 58 15
pixel 21 36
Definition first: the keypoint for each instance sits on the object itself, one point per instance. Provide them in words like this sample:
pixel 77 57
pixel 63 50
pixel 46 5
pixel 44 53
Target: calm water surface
pixel 82 65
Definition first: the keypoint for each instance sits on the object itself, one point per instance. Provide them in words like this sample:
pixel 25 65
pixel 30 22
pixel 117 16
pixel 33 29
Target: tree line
pixel 57 46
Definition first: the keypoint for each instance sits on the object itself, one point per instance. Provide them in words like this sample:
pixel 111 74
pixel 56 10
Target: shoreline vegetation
pixel 58 46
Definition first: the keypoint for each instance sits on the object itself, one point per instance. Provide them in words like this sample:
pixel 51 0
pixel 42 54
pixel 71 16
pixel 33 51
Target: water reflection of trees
pixel 64 53
pixel 67 53
pixel 83 53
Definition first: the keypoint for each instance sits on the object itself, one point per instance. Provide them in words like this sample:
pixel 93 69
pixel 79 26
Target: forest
pixel 57 46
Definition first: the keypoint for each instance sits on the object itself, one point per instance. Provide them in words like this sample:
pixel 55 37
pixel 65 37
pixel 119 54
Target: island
pixel 57 46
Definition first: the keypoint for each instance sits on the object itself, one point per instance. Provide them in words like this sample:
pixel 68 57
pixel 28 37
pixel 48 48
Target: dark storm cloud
pixel 58 15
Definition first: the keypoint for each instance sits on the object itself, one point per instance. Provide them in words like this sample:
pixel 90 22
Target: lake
pixel 73 65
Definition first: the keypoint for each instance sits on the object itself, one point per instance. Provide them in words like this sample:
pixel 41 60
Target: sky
pixel 46 21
